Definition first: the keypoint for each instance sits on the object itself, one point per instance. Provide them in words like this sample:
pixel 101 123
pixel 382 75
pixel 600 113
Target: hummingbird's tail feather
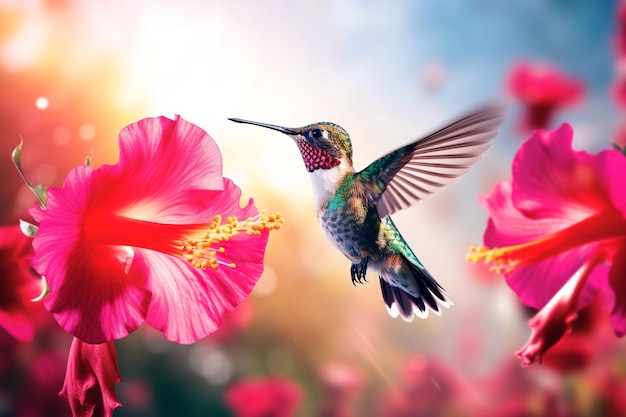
pixel 431 297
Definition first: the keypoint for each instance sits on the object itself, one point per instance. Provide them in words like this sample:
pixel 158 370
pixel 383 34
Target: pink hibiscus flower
pixel 145 240
pixel 542 90
pixel 90 379
pixel 558 233
pixel 18 285
pixel 268 397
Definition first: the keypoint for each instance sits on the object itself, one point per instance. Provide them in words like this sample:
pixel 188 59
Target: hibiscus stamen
pixel 602 226
pixel 198 244
pixel 202 251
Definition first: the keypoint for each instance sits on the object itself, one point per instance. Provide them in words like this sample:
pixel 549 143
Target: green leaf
pixel 28 229
pixel 39 190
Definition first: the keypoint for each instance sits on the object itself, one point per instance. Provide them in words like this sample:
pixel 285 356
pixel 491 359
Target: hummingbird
pixel 354 208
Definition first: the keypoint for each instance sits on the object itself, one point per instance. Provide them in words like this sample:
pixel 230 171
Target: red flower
pixel 270 397
pixel 144 240
pixel 18 285
pixel 542 90
pixel 90 379
pixel 557 230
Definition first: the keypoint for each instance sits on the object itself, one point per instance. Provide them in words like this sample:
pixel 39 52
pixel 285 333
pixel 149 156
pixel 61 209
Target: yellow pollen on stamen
pixel 500 259
pixel 202 253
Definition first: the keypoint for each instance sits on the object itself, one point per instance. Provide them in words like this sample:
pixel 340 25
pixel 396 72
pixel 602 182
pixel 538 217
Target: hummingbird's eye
pixel 316 133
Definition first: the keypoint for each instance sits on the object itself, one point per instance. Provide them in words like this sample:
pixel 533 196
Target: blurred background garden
pixel 307 342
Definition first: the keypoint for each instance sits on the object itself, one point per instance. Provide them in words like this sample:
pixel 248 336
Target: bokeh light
pixel 41 103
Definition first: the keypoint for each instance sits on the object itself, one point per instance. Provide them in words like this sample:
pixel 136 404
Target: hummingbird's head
pixel 322 145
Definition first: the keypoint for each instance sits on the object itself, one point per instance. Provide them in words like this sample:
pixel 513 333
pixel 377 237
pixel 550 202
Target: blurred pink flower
pixel 138 395
pixel 341 385
pixel 512 391
pixel 90 379
pixel 38 394
pixel 142 240
pixel 268 397
pixel 18 285
pixel 558 233
pixel 428 388
pixel 433 76
pixel 609 385
pixel 542 90
pixel 232 323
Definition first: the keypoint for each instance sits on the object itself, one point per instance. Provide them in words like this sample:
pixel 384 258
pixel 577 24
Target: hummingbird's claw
pixel 358 271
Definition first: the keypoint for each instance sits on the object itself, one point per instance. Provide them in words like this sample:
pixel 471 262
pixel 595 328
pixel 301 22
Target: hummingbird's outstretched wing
pixel 414 172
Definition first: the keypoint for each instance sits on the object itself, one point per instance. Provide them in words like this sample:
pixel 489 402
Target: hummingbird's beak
pixel 280 129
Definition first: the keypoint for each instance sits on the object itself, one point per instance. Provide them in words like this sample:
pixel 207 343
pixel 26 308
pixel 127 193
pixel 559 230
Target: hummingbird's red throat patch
pixel 315 158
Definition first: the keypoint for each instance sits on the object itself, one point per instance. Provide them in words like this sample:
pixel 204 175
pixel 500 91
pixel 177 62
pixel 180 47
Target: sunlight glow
pixel 26 45
pixel 42 103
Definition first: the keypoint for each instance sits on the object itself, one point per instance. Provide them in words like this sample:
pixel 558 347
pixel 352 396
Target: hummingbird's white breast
pixel 326 181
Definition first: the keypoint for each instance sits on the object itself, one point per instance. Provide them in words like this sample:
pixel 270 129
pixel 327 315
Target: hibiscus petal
pixel 91 295
pixel 536 284
pixel 618 285
pixel 613 167
pixel 163 166
pixel 553 181
pixel 188 303
pixel 509 226
pixel 182 149
pixel 98 302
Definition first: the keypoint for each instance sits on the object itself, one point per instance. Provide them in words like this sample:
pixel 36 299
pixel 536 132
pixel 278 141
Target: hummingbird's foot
pixel 358 271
